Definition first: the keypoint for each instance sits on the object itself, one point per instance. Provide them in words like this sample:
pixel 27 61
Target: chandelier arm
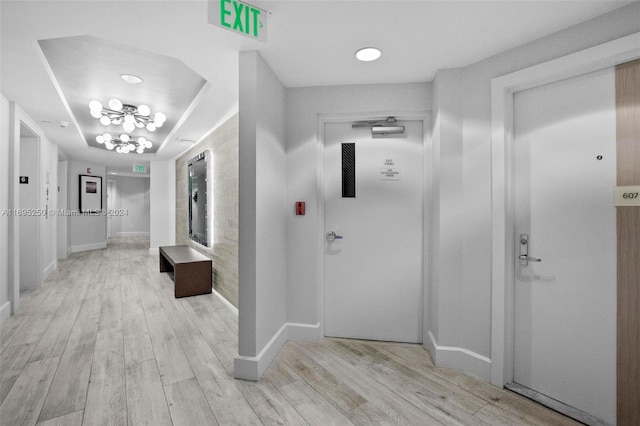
pixel 107 111
pixel 142 119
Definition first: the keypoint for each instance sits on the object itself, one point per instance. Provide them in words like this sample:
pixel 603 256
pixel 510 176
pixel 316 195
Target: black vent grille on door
pixel 348 170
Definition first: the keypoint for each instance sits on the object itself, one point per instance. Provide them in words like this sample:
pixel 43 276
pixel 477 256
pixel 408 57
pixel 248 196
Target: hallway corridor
pixel 104 341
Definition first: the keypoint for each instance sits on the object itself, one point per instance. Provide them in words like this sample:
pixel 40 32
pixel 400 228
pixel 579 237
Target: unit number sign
pixel 628 196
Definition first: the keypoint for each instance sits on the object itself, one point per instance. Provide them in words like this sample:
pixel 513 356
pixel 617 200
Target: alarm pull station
pixel 299 208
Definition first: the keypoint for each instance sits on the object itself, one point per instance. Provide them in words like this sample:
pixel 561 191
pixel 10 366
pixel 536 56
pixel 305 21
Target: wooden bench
pixel 191 270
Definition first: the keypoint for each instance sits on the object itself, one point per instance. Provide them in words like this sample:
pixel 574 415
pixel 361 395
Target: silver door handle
pixel 529 258
pixel 331 236
pixel 524 251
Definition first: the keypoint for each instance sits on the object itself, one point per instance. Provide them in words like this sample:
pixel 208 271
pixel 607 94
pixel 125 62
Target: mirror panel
pixel 198 168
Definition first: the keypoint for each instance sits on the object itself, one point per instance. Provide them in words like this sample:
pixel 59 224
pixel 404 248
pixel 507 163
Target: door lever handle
pixel 524 257
pixel 331 236
pixel 529 258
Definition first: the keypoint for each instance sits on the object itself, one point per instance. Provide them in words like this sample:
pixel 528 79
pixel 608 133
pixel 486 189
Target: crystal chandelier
pixel 131 117
pixel 124 144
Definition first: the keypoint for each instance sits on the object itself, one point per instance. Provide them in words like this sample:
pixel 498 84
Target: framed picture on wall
pixel 90 194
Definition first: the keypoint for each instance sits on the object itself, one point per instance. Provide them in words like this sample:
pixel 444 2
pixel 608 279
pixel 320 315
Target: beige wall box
pixel 628 196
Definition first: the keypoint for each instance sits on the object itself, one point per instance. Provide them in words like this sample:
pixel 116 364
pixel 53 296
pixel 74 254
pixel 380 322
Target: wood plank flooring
pixel 104 342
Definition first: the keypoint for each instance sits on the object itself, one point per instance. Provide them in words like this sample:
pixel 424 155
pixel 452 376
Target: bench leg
pixel 165 266
pixel 191 279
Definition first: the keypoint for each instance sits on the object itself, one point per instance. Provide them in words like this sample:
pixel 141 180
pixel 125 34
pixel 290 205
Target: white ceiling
pixel 88 68
pixel 310 43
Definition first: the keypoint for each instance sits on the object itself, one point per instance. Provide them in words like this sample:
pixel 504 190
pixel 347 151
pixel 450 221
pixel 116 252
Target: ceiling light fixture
pixel 130 116
pixel 123 144
pixel 368 54
pixel 131 79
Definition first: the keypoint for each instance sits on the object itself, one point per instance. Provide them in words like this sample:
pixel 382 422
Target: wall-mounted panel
pixel 223 143
pixel 628 230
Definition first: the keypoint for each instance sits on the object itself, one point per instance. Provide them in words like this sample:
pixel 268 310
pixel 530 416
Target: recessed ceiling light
pixel 133 79
pixel 368 54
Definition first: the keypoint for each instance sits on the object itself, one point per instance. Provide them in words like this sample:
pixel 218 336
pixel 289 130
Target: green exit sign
pixel 239 17
pixel 139 168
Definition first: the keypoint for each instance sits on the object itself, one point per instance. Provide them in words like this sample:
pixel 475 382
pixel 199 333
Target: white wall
pixel 304 256
pixel 88 232
pixel 270 199
pixel 262 217
pixel 133 200
pixel 462 322
pixel 446 208
pixel 162 209
pixel 5 306
pixel 48 201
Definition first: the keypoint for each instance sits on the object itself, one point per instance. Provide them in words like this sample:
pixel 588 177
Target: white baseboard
pixel 5 311
pixel 251 368
pixel 303 332
pixel 154 251
pixel 459 358
pixel 132 234
pixel 87 247
pixel 225 301
pixel 49 269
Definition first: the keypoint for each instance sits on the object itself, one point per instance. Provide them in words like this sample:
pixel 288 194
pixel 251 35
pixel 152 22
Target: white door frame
pixel 503 88
pixel 416 115
pixel 17 116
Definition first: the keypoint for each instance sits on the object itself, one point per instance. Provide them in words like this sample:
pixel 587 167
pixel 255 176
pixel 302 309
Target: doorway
pixel 113 222
pixel 62 217
pixel 565 243
pixel 373 248
pixel 29 209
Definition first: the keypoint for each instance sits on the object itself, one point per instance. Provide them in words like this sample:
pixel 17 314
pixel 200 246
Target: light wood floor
pixel 104 342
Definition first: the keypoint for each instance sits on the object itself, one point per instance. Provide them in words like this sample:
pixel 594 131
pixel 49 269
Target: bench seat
pixel 191 270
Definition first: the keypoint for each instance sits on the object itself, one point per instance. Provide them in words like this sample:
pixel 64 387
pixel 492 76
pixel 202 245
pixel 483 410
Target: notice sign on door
pixel 390 173
pixel 628 196
pixel 390 169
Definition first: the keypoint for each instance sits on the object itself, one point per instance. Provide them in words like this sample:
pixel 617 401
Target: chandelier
pixel 131 117
pixel 124 144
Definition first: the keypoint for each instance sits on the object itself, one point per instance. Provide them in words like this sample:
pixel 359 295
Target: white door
pixel 373 274
pixel 565 305
pixel 30 197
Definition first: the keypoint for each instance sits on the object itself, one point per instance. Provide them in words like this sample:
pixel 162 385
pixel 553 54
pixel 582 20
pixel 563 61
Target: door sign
pixel 628 196
pixel 391 173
